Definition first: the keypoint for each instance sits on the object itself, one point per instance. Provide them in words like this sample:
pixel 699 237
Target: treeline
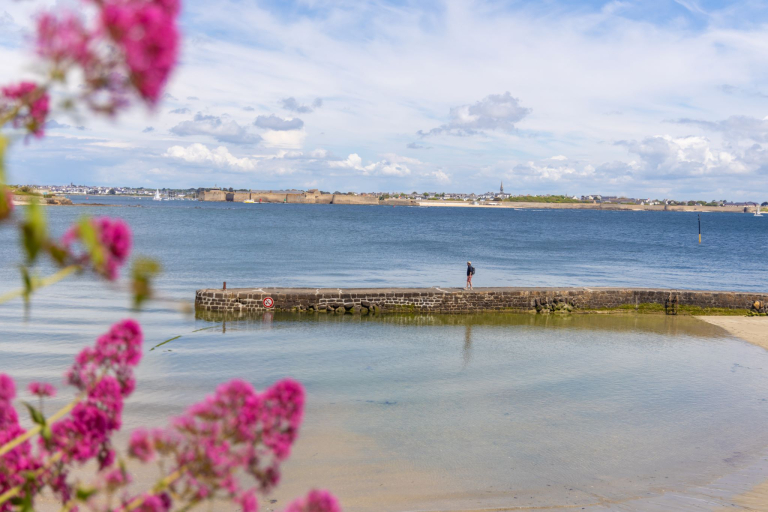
pixel 544 199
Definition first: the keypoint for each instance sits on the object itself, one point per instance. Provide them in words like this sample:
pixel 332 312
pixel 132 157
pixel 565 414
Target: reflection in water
pixel 467 351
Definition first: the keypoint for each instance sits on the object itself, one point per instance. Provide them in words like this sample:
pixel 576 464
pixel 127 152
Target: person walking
pixel 470 273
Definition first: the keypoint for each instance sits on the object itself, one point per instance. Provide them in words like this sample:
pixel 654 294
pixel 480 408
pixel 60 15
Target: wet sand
pixel 753 329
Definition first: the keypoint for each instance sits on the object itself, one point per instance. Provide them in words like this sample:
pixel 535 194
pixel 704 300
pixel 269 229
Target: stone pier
pixel 457 300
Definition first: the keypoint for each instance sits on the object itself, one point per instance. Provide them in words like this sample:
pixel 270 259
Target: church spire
pixel 501 189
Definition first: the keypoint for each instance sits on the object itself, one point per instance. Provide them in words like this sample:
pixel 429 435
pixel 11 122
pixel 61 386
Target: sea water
pixel 439 412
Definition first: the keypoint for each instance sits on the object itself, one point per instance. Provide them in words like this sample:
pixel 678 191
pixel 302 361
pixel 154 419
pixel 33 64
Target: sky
pixel 646 98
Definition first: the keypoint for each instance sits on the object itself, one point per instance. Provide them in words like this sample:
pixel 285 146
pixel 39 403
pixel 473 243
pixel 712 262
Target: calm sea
pixel 430 412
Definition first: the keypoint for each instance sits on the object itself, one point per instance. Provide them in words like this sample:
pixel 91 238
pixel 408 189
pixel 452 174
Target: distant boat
pixel 157 197
pixel 249 201
pixel 757 212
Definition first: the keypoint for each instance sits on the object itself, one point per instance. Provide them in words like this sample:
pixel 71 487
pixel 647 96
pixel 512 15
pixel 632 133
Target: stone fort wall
pixel 452 300
pixel 311 197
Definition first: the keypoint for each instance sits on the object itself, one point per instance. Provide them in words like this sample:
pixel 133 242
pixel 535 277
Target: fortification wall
pixel 213 195
pixel 349 199
pixel 399 202
pixel 456 300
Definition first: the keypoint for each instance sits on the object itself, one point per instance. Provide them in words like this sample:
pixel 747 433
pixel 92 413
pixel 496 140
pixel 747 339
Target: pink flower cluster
pixel 114 239
pixel 104 373
pixel 235 429
pixel 146 32
pixel 64 41
pixel 15 463
pixel 42 389
pixel 32 103
pixel 315 501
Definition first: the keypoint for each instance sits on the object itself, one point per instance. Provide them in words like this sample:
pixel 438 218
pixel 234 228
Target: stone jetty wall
pixel 456 300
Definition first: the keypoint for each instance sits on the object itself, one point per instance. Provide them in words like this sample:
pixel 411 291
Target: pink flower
pixel 6 202
pixel 315 501
pixel 20 460
pixel 147 34
pixel 114 237
pixel 116 478
pixel 7 388
pixel 32 103
pixel 119 350
pixel 64 40
pixel 155 503
pixel 247 501
pixel 141 446
pixel 42 389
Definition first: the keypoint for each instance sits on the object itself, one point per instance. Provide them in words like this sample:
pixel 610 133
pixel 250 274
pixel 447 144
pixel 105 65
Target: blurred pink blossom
pixel 64 40
pixel 147 33
pixel 114 237
pixel 31 103
pixel 42 389
pixel 15 463
pixel 315 501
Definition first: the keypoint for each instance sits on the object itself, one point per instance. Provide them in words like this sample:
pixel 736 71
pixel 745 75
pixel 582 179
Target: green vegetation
pixel 656 309
pixel 543 199
pixel 23 191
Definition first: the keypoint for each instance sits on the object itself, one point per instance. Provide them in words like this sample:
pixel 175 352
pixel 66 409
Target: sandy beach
pixel 752 329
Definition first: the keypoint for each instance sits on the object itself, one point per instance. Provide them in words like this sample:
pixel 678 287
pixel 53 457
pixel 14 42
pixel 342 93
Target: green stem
pixel 159 487
pixel 16 441
pixel 41 283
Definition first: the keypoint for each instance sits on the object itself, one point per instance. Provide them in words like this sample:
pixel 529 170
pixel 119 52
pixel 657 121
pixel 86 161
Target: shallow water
pixel 437 412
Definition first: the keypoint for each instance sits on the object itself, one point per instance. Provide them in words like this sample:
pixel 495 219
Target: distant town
pixel 501 195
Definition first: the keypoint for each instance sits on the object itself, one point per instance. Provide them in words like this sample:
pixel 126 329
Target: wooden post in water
pixel 225 283
pixel 699 228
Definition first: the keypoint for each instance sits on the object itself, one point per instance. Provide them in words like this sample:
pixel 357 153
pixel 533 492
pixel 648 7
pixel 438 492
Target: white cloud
pixel 440 176
pixel 494 112
pixel 393 165
pixel 667 157
pixel 220 129
pixel 284 139
pixel 112 144
pixel 559 157
pixel 220 157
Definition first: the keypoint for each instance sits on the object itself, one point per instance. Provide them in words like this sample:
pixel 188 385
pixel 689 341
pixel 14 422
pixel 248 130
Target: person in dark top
pixel 470 273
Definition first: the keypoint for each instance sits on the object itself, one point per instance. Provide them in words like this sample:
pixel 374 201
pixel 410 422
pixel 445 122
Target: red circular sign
pixel 268 302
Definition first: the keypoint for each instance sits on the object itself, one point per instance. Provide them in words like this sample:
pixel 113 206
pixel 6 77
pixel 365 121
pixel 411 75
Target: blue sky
pixel 646 98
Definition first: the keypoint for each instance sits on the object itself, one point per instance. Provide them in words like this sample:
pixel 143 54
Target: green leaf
pixel 36 415
pixel 46 433
pixel 29 284
pixel 85 494
pixel 58 253
pixel 89 237
pixel 34 231
pixel 143 272
pixel 3 148
pixel 164 342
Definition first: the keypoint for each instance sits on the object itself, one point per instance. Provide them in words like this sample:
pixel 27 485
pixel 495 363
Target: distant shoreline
pixel 18 201
pixel 589 206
